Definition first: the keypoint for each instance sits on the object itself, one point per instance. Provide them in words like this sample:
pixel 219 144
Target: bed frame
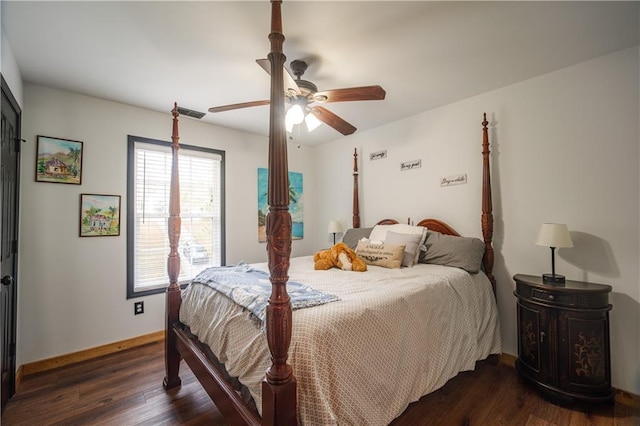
pixel 279 400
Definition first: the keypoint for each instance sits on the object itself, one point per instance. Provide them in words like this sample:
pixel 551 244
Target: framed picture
pixel 99 215
pixel 295 204
pixel 58 160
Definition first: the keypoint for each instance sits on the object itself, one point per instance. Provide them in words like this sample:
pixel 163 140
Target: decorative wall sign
pixel 453 180
pixel 99 215
pixel 295 205
pixel 58 160
pixel 378 155
pixel 410 165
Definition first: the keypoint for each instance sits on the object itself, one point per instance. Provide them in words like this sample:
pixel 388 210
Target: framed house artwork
pixel 99 215
pixel 58 160
pixel 295 204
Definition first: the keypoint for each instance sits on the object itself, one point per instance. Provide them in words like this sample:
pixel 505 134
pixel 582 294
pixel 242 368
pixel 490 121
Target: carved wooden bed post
pixel 171 354
pixel 487 209
pixel 356 208
pixel 279 387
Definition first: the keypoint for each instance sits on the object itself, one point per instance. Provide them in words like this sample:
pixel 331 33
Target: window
pixel 201 210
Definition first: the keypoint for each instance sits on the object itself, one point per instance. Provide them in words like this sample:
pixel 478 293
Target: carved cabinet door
pixel 529 322
pixel 586 337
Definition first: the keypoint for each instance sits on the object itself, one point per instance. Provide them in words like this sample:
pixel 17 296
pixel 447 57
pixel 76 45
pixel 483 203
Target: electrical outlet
pixel 138 308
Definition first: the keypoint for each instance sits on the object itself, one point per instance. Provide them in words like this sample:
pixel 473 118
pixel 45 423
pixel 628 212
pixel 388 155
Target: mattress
pixel 394 336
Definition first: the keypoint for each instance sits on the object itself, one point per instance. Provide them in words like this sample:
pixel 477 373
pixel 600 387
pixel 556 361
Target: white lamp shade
pixel 295 114
pixel 554 235
pixel 334 227
pixel 312 122
pixel 288 124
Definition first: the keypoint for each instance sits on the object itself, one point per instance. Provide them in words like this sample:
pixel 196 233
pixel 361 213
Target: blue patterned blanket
pixel 251 288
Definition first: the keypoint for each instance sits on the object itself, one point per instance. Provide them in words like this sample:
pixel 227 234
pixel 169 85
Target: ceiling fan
pixel 304 97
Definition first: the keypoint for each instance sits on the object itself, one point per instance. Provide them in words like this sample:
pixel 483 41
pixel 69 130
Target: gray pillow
pixel 411 243
pixel 353 235
pixel 447 250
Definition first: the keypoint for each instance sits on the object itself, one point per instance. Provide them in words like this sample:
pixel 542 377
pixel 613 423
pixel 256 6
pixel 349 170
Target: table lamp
pixel 334 228
pixel 554 235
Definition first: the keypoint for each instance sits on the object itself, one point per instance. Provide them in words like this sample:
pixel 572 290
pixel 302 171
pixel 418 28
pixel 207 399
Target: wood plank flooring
pixel 126 389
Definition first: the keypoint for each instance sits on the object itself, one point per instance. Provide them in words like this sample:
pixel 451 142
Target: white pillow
pixel 379 233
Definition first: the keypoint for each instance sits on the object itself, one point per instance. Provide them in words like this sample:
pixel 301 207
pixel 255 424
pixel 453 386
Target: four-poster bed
pixel 323 390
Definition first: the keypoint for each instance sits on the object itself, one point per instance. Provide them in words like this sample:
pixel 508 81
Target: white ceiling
pixel 201 54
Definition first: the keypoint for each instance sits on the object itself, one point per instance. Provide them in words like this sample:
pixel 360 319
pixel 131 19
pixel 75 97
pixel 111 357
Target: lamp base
pixel 553 279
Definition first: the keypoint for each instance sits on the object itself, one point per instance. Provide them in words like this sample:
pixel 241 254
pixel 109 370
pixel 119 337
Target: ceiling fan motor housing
pixel 298 67
pixel 307 88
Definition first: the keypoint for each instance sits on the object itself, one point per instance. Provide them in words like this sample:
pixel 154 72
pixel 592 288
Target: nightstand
pixel 563 338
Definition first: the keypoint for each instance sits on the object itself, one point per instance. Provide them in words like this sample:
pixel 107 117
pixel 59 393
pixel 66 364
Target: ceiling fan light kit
pixel 312 122
pixel 302 95
pixel 294 116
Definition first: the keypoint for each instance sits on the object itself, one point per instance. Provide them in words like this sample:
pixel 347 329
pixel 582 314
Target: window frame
pixel 131 203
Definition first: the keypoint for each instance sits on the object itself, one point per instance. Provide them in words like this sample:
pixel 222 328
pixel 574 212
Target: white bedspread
pixel 396 335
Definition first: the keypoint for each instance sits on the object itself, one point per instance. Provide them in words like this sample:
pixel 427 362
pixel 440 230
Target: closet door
pixel 10 171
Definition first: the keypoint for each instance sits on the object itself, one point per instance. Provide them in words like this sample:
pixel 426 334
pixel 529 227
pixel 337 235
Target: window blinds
pixel 200 203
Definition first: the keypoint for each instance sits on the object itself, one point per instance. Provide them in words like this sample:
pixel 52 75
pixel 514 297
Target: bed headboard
pixel 438 226
pixel 429 223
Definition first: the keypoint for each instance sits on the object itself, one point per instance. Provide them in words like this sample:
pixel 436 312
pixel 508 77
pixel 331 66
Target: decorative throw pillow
pixel 379 233
pixel 411 243
pixel 353 235
pixel 448 250
pixel 386 255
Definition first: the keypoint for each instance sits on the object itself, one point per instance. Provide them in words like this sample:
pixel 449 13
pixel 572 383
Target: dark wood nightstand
pixel 563 338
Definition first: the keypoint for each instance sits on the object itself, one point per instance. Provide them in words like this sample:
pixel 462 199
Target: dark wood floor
pixel 126 389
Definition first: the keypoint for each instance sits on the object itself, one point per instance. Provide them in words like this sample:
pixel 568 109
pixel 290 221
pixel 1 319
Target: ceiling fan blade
pixel 289 83
pixel 332 120
pixel 364 93
pixel 238 106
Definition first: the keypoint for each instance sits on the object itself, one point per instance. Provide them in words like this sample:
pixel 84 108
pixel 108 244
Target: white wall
pixel 72 290
pixel 9 69
pixel 565 148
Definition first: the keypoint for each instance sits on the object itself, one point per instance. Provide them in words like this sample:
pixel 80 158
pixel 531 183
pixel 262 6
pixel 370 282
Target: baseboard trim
pixel 75 357
pixel 507 359
pixel 621 396
pixel 627 398
pixel 19 376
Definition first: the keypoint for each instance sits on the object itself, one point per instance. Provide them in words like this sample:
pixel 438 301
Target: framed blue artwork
pixel 295 204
